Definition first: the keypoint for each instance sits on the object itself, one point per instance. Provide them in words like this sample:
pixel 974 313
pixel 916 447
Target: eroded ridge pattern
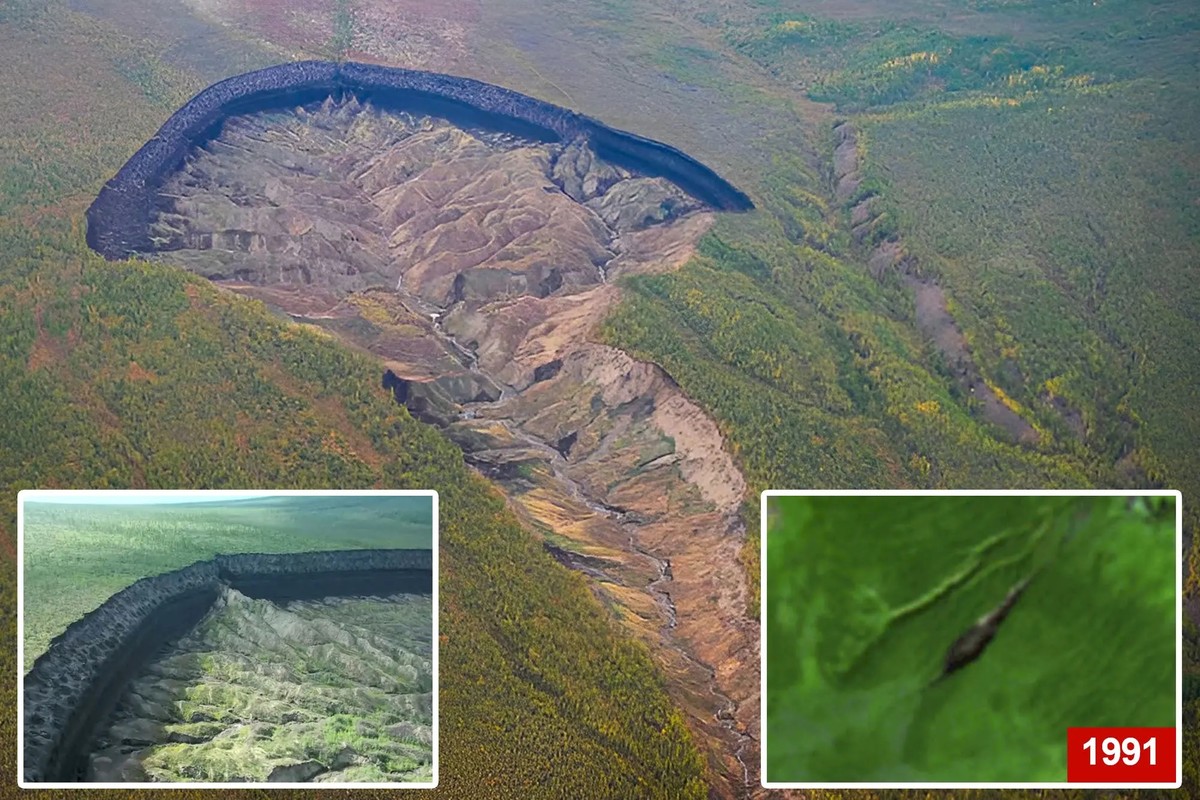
pixel 332 690
pixel 119 217
pixel 72 687
pixel 340 198
pixel 478 267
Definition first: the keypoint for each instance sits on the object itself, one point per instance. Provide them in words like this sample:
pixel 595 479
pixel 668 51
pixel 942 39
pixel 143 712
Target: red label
pixel 1121 755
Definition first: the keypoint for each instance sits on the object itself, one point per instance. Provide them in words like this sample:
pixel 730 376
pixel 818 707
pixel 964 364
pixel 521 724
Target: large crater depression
pixel 471 243
pixel 337 197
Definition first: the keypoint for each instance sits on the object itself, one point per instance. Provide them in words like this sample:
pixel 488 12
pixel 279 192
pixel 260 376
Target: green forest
pixel 1063 239
pixel 865 597
pixel 1037 160
pixel 77 555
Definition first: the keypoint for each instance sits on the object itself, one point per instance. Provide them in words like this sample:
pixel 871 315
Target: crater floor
pixel 336 690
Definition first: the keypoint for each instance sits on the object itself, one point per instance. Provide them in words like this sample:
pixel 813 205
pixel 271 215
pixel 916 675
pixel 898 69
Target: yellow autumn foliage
pixel 921 57
pixel 928 407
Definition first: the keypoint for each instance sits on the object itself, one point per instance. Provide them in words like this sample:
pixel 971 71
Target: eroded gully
pixel 630 524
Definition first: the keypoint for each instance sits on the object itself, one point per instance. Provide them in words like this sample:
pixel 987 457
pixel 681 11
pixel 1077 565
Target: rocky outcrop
pixel 73 685
pixel 119 219
pixel 847 175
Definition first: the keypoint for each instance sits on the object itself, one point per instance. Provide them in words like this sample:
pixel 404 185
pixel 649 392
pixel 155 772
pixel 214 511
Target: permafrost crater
pixel 471 238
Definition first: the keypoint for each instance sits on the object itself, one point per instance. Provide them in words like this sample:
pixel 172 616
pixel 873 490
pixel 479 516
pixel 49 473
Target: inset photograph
pixel 169 639
pixel 913 639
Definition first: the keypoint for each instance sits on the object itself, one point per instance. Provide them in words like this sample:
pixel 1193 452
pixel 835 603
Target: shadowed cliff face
pixel 476 267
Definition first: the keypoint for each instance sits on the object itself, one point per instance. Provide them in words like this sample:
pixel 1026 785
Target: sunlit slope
pixel 333 690
pixel 122 374
pixel 815 372
pixel 1068 237
pixel 866 595
pixel 1034 160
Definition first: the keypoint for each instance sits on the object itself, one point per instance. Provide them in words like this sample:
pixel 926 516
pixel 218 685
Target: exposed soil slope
pixel 118 219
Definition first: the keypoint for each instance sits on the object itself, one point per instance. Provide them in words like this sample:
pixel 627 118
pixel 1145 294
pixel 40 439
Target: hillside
pixel 356 647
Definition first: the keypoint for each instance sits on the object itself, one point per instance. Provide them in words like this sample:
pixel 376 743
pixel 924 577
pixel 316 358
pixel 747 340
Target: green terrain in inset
pixel 335 690
pixel 865 596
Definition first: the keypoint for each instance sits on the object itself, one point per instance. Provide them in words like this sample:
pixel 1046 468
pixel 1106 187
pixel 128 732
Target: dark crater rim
pixel 73 687
pixel 119 218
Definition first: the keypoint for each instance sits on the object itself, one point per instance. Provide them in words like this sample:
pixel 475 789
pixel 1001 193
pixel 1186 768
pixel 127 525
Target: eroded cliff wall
pixel 119 219
pixel 74 684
